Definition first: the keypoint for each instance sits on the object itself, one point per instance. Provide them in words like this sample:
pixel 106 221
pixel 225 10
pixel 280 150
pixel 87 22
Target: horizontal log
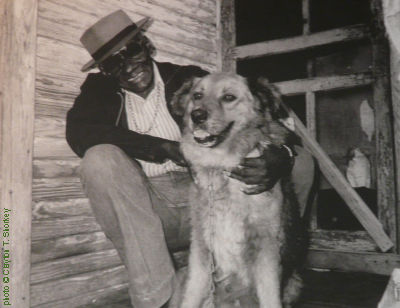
pixel 316 84
pixel 68 246
pixel 49 188
pixel 45 147
pixel 194 30
pixel 61 208
pixel 342 240
pixel 55 168
pixel 375 263
pixel 59 227
pixel 53 127
pixel 99 298
pixel 51 48
pixel 298 43
pixel 71 266
pixel 79 284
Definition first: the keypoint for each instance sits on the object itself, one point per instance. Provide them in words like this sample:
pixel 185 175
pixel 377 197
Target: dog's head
pixel 218 105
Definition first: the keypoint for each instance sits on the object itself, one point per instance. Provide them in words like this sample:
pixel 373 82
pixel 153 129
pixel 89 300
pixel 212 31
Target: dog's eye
pixel 229 98
pixel 197 95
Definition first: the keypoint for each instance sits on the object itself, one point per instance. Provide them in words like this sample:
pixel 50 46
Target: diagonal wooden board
pixel 339 182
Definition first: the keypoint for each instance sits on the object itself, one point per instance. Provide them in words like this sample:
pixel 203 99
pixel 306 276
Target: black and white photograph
pixel 200 153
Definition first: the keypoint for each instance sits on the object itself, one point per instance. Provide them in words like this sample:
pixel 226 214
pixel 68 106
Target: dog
pixel 245 248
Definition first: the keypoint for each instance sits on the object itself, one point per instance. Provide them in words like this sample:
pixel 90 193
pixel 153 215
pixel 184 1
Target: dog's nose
pixel 199 116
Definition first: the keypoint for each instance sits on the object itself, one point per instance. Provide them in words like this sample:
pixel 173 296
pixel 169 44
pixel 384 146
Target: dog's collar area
pixel 213 140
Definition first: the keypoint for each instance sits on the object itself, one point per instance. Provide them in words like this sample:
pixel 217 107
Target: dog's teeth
pixel 200 134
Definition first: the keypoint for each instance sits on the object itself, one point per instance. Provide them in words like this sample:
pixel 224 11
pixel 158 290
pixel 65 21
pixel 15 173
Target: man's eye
pixel 197 96
pixel 229 98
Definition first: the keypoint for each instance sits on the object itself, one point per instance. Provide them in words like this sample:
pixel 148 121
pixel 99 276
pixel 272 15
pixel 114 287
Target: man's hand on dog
pixel 261 173
pixel 173 153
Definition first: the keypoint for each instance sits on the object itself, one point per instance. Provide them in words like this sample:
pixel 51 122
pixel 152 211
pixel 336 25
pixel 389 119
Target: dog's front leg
pixel 198 285
pixel 267 273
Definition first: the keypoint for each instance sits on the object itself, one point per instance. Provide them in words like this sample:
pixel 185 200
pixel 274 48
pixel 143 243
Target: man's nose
pixel 199 116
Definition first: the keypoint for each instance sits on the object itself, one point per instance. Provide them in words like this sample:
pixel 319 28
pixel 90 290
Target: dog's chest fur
pixel 230 222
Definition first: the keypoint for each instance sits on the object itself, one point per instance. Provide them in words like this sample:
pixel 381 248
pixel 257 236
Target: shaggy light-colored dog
pixel 245 247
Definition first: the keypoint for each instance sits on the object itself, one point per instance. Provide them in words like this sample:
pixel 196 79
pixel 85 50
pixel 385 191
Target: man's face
pixel 132 66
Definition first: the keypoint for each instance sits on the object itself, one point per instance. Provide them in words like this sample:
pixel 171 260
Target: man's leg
pixel 122 201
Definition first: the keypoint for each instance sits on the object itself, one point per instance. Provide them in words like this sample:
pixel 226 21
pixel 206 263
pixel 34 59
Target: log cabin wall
pixel 73 264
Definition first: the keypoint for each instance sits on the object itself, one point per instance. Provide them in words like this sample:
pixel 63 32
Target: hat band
pixel 103 50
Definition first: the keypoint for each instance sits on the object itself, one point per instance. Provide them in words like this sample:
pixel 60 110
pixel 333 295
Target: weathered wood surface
pixel 226 31
pixel 357 241
pixel 75 265
pixel 385 172
pixel 61 208
pixel 78 284
pixel 395 83
pixel 315 84
pixel 98 298
pixel 376 263
pixel 302 42
pixel 57 227
pixel 178 26
pixel 17 86
pixel 68 246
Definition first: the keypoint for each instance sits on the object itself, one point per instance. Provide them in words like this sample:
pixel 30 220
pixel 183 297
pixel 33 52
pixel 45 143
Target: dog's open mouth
pixel 206 139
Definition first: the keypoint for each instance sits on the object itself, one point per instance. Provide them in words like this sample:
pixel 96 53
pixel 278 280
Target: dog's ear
pixel 269 97
pixel 181 97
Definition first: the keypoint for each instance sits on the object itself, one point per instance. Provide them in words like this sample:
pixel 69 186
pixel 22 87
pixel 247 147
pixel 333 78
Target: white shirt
pixel 150 116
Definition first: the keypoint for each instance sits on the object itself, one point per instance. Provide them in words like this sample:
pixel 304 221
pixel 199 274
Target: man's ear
pixel 269 97
pixel 181 97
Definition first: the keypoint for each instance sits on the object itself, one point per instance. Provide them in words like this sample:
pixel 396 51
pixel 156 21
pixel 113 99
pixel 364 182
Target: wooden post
pixel 385 177
pixel 227 36
pixel 395 82
pixel 17 74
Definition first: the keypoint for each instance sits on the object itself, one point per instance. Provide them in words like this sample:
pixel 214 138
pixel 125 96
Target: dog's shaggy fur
pixel 245 248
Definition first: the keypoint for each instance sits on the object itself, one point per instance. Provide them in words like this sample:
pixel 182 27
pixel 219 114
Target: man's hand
pixel 261 173
pixel 173 152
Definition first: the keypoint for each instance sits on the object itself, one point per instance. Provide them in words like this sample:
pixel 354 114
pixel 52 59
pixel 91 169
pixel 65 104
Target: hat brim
pixel 141 24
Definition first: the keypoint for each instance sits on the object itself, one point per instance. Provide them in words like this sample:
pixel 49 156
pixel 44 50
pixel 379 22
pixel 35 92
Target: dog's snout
pixel 199 116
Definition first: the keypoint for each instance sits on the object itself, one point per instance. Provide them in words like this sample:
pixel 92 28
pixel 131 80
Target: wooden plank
pixel 52 147
pixel 75 265
pixel 226 31
pixel 395 82
pixel 17 75
pixel 300 86
pixel 298 43
pixel 68 246
pixel 59 227
pixel 68 187
pixel 80 284
pixel 54 168
pixel 98 298
pixel 65 22
pixel 338 181
pixel 61 208
pixel 385 177
pixel 351 241
pixel 375 263
pixel 50 127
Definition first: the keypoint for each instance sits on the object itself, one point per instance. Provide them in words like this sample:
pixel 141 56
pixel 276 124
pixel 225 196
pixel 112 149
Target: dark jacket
pixel 98 114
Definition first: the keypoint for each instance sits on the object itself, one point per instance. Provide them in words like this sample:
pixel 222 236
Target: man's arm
pixel 90 122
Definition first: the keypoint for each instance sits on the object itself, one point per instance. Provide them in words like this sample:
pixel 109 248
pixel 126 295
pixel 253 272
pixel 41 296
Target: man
pixel 132 169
